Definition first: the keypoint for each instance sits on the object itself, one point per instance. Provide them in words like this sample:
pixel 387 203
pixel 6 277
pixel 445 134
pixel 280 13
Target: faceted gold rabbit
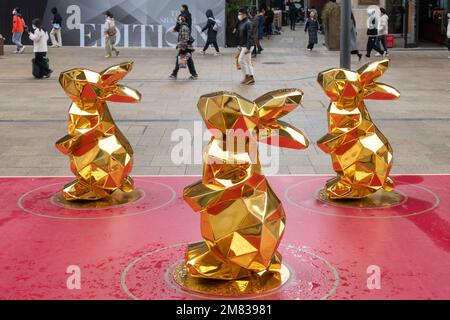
pixel 242 220
pixel 100 156
pixel 361 155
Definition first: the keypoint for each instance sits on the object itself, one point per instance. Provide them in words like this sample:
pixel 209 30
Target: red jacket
pixel 18 24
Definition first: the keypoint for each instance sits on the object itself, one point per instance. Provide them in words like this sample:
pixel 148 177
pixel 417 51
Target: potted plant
pixel 331 14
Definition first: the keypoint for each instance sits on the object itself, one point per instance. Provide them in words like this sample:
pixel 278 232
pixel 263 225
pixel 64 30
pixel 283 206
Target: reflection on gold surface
pixel 257 283
pixel 361 155
pixel 379 199
pixel 118 198
pixel 242 220
pixel 100 156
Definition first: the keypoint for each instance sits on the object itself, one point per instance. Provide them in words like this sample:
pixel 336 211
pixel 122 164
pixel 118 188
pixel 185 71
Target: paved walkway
pixel 33 113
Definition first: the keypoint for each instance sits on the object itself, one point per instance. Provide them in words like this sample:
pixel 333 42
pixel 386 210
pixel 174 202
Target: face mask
pixel 240 17
pixel 14 13
pixel 34 27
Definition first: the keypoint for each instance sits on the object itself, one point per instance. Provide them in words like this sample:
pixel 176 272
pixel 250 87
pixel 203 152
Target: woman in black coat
pixel 312 27
pixel 212 34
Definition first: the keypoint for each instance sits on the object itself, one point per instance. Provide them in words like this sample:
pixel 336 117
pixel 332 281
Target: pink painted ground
pixel 128 252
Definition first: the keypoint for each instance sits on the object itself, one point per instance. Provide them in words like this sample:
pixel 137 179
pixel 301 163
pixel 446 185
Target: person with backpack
pixel 17 30
pixel 212 27
pixel 312 27
pixel 185 49
pixel 110 35
pixel 40 37
pixel 55 34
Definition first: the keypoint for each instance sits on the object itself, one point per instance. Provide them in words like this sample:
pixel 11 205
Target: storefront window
pixel 395 11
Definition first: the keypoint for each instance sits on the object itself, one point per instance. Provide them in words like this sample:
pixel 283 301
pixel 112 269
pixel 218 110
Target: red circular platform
pixel 416 200
pixel 312 276
pixel 42 202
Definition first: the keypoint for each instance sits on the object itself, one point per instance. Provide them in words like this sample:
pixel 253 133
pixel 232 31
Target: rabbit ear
pixel 381 91
pixel 372 71
pixel 337 83
pixel 282 134
pixel 123 94
pixel 276 104
pixel 114 74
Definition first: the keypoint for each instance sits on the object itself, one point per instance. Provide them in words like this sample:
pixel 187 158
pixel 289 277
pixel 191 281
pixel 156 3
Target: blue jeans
pixel 17 40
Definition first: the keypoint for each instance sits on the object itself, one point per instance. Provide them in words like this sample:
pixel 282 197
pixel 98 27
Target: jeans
pixel 17 40
pixel 190 64
pixel 211 42
pixel 245 60
pixel 55 36
pixel 382 39
pixel 109 44
pixel 39 60
pixel 372 45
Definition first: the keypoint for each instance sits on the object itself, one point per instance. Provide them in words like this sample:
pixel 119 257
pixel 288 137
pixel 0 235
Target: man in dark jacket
pixel 212 32
pixel 55 34
pixel 246 44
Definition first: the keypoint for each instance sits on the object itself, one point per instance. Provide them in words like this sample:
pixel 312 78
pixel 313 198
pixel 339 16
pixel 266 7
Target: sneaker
pixel 48 74
pixel 22 49
pixel 117 53
pixel 54 46
pixel 15 51
pixel 173 77
pixel 193 77
pixel 245 79
pixel 251 80
pixel 203 52
pixel 377 54
pixel 108 56
pixel 449 57
pixel 217 54
pixel 386 54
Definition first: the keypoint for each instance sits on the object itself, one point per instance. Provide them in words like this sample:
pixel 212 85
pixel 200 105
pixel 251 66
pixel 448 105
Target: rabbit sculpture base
pixel 361 155
pixel 100 156
pixel 254 284
pixel 242 220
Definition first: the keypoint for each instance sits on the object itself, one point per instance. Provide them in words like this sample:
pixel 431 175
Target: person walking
pixel 261 20
pixel 246 45
pixel 17 30
pixel 55 34
pixel 254 20
pixel 448 33
pixel 353 38
pixel 269 22
pixel 184 48
pixel 293 14
pixel 372 33
pixel 110 35
pixel 40 37
pixel 212 27
pixel 382 32
pixel 312 27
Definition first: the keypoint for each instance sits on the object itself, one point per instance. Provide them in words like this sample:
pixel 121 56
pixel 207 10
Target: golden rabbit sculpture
pixel 242 220
pixel 361 154
pixel 100 156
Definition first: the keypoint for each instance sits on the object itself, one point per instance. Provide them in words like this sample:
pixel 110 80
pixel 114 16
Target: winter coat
pixel 353 39
pixel 57 19
pixel 184 38
pixel 212 34
pixel 245 32
pixel 383 25
pixel 110 27
pixel 312 26
pixel 18 23
pixel 39 38
pixel 448 28
pixel 261 20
